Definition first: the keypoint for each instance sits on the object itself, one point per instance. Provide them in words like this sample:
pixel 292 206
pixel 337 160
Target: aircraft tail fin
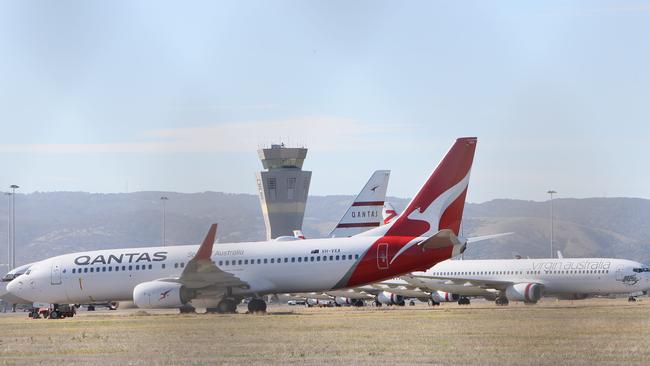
pixel 365 212
pixel 440 202
pixel 389 213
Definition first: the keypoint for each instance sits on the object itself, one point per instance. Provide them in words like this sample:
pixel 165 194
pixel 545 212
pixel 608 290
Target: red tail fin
pixel 440 202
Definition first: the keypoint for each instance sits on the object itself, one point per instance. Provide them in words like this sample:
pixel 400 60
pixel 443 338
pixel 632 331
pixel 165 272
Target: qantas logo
pixel 373 189
pixel 434 212
pixel 120 258
pixel 163 295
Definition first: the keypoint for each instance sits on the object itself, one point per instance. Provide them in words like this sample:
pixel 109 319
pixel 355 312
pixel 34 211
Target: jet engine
pixel 527 292
pixel 160 294
pixel 388 298
pixel 344 301
pixel 442 296
pixel 318 302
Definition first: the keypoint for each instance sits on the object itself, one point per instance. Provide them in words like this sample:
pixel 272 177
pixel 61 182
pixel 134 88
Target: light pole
pixel 13 224
pixel 163 199
pixel 551 192
pixel 8 194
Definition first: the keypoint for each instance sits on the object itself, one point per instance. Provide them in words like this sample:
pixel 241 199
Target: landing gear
pixel 91 308
pixel 631 299
pixel 54 314
pixel 225 306
pixel 411 303
pixel 434 303
pixel 256 306
pixel 463 301
pixel 501 301
pixel 187 309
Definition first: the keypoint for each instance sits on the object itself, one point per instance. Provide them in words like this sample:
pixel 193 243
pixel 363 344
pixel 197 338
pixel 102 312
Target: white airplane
pixel 527 280
pixel 171 277
pixel 365 212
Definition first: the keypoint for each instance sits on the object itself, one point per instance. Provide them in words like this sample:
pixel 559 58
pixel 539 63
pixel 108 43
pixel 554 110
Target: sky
pixel 127 96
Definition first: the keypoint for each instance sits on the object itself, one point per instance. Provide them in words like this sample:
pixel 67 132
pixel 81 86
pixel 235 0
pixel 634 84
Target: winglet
pixel 205 250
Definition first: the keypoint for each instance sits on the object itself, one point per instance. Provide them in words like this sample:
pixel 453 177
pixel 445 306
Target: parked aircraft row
pixel 369 255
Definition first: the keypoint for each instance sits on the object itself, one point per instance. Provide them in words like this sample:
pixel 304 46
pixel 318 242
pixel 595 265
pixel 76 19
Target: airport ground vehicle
pixel 53 311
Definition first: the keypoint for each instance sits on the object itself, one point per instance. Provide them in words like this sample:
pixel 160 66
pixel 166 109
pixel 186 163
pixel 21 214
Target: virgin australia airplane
pixel 171 277
pixel 528 280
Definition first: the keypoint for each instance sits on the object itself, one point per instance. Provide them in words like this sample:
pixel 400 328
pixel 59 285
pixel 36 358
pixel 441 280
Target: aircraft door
pixel 56 274
pixel 382 256
pixel 620 275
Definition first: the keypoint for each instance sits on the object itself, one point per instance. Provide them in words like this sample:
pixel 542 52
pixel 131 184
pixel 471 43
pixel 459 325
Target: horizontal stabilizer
pixel 442 239
pixel 486 237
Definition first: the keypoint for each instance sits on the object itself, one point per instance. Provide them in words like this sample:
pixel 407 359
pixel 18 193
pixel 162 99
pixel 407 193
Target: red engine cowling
pixel 442 296
pixel 527 292
pixel 160 294
pixel 389 298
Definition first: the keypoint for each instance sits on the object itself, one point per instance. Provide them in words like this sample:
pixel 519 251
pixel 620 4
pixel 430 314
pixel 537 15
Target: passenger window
pixel 337 257
pixel 259 261
pixel 73 270
pixel 123 268
pixel 286 260
pixel 299 259
pixel 265 261
pixel 239 262
pixel 117 268
pixel 324 258
pixel 293 259
pixel 350 256
pixel 311 259
pixel 245 261
pixel 306 259
pixel 331 257
pixel 163 266
pixel 318 258
pixel 182 264
pixel 356 256
pixel 110 269
pixel 221 263
pixel 103 269
pixel 175 265
pixel 137 267
pixel 130 268
pixel 279 260
pixel 272 260
pixel 64 271
pixel 92 269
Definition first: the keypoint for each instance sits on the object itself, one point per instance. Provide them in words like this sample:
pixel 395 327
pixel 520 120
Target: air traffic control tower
pixel 283 188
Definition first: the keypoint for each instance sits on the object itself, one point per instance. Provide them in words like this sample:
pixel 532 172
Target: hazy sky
pixel 97 96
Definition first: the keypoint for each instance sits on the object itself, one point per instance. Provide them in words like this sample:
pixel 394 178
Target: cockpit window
pixel 28 272
pixel 639 270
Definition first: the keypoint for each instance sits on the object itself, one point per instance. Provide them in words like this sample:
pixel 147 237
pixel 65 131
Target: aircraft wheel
pixel 257 306
pixel 187 309
pixel 91 308
pixel 631 299
pixel 54 314
pixel 225 306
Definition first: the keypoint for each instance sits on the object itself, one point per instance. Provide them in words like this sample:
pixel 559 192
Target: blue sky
pixel 152 95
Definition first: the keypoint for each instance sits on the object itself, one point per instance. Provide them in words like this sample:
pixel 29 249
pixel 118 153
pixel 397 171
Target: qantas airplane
pixel 365 212
pixel 528 280
pixel 217 278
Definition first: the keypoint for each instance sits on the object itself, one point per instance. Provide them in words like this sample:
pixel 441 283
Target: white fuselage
pixel 267 267
pixel 559 277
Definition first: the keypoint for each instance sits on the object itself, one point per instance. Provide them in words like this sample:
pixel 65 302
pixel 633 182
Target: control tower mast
pixel 283 189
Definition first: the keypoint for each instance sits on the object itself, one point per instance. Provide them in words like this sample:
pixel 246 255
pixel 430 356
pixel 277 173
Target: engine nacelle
pixel 344 301
pixel 160 294
pixel 442 296
pixel 527 292
pixel 318 302
pixel 389 298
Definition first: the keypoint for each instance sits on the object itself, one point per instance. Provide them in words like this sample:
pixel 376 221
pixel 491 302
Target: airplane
pixel 528 280
pixel 175 276
pixel 366 209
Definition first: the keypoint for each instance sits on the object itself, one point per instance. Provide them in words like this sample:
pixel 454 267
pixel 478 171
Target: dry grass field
pixel 578 333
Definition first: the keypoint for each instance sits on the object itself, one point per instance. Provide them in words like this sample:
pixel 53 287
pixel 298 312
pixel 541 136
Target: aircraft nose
pixel 15 287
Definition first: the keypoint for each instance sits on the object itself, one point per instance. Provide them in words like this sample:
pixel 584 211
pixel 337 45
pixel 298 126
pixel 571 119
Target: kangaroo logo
pixel 433 213
pixel 163 295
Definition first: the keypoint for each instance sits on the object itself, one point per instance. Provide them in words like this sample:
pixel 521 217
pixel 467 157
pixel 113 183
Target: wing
pixel 418 279
pixel 202 273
